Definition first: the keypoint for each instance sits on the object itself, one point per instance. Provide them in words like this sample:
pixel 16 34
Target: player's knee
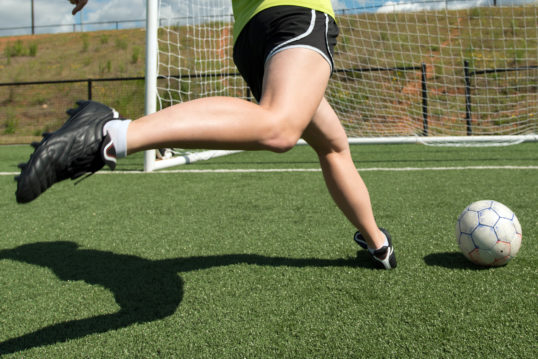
pixel 282 144
pixel 281 137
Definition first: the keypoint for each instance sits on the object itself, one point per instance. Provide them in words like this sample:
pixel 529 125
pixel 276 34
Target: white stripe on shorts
pixel 327 42
pixel 283 46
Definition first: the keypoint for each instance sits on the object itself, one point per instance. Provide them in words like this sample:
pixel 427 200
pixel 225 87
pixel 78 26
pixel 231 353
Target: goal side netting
pixel 423 71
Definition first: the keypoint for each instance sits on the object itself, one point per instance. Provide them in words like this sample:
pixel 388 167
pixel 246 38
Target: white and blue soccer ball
pixel 488 233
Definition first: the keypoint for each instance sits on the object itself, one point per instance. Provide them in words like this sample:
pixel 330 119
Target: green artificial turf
pixel 262 264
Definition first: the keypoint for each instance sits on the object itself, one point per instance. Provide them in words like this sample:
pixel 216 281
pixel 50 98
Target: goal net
pixel 428 71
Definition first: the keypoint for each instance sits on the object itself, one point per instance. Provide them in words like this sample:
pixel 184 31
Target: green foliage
pixel 121 44
pixel 135 54
pixel 128 98
pixel 85 42
pixel 40 100
pixel 384 36
pixel 105 67
pixel 104 39
pixel 19 49
pixel 32 49
pixel 10 124
pixel 475 13
pixel 14 50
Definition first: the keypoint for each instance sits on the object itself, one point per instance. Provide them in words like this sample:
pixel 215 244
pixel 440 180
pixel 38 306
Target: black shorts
pixel 279 28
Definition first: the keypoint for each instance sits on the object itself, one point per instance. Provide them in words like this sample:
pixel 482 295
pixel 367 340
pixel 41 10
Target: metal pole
pixel 89 89
pixel 152 21
pixel 467 97
pixel 33 19
pixel 424 101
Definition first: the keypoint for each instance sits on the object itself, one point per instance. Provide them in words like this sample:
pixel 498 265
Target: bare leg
pixel 293 88
pixel 292 105
pixel 326 135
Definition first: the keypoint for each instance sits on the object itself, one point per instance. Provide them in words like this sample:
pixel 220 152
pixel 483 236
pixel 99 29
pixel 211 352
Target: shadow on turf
pixel 453 260
pixel 145 290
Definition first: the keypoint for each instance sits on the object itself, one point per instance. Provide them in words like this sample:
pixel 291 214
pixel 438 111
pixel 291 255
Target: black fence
pixel 468 74
pixel 89 26
pixel 29 108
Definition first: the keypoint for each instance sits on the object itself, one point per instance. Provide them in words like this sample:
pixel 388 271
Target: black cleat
pixel 384 256
pixel 77 148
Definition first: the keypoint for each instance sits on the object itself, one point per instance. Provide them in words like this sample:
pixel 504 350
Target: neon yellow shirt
pixel 244 10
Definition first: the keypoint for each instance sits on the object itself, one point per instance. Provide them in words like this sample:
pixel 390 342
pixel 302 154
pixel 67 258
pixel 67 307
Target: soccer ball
pixel 488 233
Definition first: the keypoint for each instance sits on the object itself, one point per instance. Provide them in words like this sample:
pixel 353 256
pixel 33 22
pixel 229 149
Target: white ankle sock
pixel 386 243
pixel 117 129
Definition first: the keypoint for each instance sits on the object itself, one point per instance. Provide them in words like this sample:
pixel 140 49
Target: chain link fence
pixel 29 109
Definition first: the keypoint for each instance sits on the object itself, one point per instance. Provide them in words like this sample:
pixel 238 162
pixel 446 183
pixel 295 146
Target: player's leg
pixel 294 83
pixel 294 76
pixel 274 53
pixel 291 78
pixel 327 137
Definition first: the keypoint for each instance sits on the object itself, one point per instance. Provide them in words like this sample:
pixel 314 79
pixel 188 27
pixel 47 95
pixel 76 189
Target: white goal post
pixel 406 71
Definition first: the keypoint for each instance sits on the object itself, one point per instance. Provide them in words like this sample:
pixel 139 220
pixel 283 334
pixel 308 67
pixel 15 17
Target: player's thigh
pixel 294 85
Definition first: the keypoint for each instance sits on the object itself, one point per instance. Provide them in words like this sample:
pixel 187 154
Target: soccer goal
pixel 424 71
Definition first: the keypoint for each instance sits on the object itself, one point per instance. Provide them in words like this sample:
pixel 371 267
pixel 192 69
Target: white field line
pixel 278 170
